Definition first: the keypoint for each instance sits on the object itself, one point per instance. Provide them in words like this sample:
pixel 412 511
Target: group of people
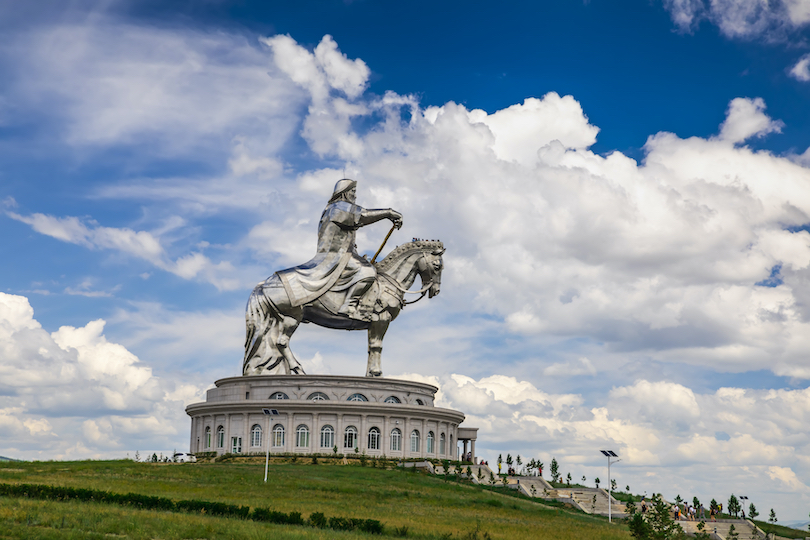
pixel 690 513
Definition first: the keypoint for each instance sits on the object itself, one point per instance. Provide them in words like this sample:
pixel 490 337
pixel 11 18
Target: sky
pixel 623 190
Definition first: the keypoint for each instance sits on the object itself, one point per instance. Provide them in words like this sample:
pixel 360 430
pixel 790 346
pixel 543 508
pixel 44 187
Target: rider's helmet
pixel 342 187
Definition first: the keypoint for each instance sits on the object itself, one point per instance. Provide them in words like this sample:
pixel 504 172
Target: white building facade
pixel 316 413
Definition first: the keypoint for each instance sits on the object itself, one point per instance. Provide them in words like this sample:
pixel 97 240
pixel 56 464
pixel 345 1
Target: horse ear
pixel 439 252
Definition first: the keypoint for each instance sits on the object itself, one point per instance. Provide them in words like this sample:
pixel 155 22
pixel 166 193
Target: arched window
pixel 392 399
pixel 374 439
pixel 396 440
pixel 357 397
pixel 278 435
pixel 302 436
pixel 414 441
pixel 279 395
pixel 327 437
pixel 442 444
pixel 350 437
pixel 220 437
pixel 256 435
pixel 207 437
pixel 420 402
pixel 430 438
pixel 318 396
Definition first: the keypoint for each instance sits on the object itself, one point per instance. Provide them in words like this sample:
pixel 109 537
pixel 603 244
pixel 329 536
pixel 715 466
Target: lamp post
pixel 610 454
pixel 268 413
pixel 743 498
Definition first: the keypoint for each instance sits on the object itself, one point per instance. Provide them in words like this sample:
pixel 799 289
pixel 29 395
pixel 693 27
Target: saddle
pixel 370 306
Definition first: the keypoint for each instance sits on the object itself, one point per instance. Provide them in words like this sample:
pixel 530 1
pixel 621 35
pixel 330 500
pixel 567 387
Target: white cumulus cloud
pixel 72 393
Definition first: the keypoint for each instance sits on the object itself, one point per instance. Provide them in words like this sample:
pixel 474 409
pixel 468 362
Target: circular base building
pixel 310 414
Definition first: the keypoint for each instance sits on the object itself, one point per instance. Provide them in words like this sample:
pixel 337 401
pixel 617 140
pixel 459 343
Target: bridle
pixel 422 264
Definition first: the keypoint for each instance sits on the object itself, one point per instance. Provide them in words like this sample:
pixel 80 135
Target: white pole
pixel 267 457
pixel 610 511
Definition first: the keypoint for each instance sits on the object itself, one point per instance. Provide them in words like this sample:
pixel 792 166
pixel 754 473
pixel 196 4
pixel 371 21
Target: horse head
pixel 430 267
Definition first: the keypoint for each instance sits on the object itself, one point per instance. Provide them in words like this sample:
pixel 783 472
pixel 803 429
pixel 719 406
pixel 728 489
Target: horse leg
pixel 376 333
pixel 289 323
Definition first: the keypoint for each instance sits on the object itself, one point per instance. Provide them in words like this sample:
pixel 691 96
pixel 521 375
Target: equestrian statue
pixel 338 288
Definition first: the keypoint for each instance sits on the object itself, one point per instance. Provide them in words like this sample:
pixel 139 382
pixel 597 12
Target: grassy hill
pixel 408 504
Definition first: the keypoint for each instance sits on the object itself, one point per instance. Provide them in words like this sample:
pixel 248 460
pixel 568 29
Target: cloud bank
pixel 72 394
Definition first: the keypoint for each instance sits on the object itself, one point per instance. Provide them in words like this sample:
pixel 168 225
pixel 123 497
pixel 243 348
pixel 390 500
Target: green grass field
pixel 427 506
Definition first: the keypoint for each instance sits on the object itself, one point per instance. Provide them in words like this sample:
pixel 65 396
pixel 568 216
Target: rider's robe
pixel 336 266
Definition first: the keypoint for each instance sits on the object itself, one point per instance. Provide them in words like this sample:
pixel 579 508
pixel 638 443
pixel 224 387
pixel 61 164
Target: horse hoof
pixel 374 374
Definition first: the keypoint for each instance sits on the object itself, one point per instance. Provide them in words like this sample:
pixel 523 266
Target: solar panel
pixel 609 453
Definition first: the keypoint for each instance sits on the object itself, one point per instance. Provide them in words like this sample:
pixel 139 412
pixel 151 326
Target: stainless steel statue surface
pixel 337 288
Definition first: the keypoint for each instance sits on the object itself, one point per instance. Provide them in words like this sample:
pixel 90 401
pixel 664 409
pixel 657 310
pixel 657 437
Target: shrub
pixel 317 519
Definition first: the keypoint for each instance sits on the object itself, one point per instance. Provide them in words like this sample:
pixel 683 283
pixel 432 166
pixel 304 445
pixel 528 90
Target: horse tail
pixel 261 317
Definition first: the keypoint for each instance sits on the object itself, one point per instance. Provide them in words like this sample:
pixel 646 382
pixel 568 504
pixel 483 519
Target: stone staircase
pixel 719 529
pixel 589 500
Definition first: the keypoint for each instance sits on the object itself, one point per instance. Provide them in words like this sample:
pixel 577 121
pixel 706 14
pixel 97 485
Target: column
pixel 465 450
pixel 423 438
pixel 339 432
pixel 289 442
pixel 362 442
pixel 472 449
pixel 191 439
pixel 315 446
pixel 385 440
pixel 246 431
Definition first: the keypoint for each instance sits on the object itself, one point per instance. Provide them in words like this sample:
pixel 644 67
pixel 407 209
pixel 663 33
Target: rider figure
pixel 337 266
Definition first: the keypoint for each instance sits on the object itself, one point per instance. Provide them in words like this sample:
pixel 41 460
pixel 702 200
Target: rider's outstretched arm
pixel 368 217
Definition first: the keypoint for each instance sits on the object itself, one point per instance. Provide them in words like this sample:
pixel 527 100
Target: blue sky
pixel 623 189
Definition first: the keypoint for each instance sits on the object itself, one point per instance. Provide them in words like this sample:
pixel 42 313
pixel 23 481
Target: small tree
pixel 505 480
pixel 612 484
pixel 696 502
pixel 568 479
pixel 630 507
pixel 752 511
pixel 334 450
pixel 491 478
pixel 596 481
pixel 539 466
pixel 732 532
pixel 627 488
pixel 702 534
pixel 772 517
pixel 678 499
pixel 518 462
pixel 509 460
pixel 660 519
pixel 640 528
pixel 534 491
pixel 584 479
pixel 734 505
pixel 555 470
pixel 713 504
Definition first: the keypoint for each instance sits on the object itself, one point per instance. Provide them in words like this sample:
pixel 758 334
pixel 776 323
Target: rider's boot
pixel 353 296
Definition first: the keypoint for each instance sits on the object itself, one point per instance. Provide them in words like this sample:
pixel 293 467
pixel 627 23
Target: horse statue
pixel 272 318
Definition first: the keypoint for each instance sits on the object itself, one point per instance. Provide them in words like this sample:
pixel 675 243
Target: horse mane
pixel 400 252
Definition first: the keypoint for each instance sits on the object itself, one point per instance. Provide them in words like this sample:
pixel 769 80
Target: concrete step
pixel 743 528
